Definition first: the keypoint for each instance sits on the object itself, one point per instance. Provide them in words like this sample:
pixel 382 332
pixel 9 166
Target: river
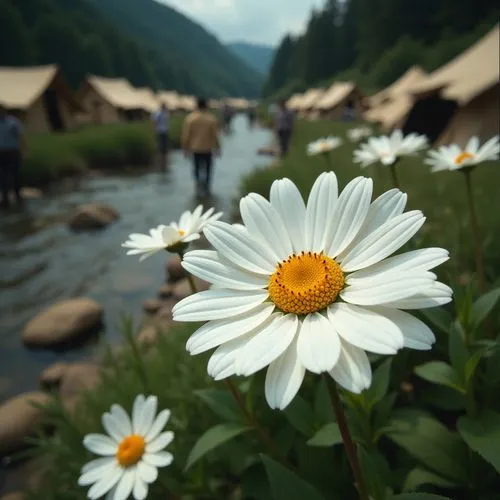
pixel 43 261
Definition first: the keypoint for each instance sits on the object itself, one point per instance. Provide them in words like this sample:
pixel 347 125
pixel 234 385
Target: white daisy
pixel 323 145
pixel 453 157
pixel 169 237
pixel 357 133
pixel 387 149
pixel 132 451
pixel 312 287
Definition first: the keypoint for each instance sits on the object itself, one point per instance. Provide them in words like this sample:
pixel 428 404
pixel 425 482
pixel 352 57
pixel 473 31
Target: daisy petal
pixel 95 470
pixel 383 241
pixel 140 490
pixel 215 333
pixel 265 224
pixel 100 444
pixel 268 342
pixel 146 472
pixel 161 442
pixel 437 295
pixel 137 409
pixel 352 371
pixel 147 416
pixel 160 459
pixel 222 362
pixel 158 425
pixel 217 304
pixel 287 200
pixel 126 484
pixel 106 483
pixel 112 427
pixel 206 265
pixel 284 378
pixel 318 344
pixel 121 419
pixel 365 329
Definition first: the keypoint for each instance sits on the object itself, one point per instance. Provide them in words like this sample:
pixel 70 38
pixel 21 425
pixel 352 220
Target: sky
pixel 257 21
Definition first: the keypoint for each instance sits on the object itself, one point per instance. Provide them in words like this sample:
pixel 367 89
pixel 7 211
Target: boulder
pixel 165 313
pixel 182 289
pixel 52 375
pixel 175 271
pixel 78 378
pixel 165 291
pixel 18 420
pixel 152 306
pixel 63 322
pixel 92 216
pixel 27 476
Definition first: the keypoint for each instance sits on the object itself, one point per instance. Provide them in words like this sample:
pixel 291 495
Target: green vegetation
pixel 148 43
pixel 53 156
pixel 373 42
pixel 441 196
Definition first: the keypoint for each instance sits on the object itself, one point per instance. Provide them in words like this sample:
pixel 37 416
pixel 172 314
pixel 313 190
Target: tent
pixel 308 100
pixel 170 98
pixel 337 98
pixel 391 106
pixel 147 100
pixel 40 97
pixel 110 100
pixel 461 98
pixel 187 103
pixel 238 104
pixel 294 101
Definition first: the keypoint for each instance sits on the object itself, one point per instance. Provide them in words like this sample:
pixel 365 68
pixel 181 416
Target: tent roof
pixel 310 98
pixel 391 113
pixel 413 76
pixel 469 74
pixel 147 99
pixel 21 87
pixel 117 91
pixel 187 102
pixel 170 98
pixel 335 95
pixel 294 101
pixel 238 103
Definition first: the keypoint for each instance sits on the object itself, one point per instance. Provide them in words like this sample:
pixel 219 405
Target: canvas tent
pixel 147 99
pixel 337 98
pixel 391 106
pixel 187 103
pixel 40 97
pixel 170 98
pixel 109 100
pixel 461 98
pixel 294 101
pixel 308 100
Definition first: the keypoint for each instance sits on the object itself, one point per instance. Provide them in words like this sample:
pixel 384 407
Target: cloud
pixel 259 21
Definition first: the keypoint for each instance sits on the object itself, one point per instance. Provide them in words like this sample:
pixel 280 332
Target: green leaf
pixel 482 434
pixel 444 398
pixel 322 404
pixel 484 305
pixel 376 472
pixel 301 416
pixel 438 372
pixel 286 485
pixel 221 403
pixel 419 496
pixel 380 383
pixel 326 436
pixel 430 442
pixel 417 477
pixel 471 365
pixel 458 352
pixel 438 317
pixel 213 438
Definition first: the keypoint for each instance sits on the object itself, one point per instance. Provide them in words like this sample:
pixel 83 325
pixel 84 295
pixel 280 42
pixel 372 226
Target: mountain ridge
pixel 256 55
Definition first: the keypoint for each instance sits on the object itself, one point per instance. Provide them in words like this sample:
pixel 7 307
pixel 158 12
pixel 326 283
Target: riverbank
pixel 52 157
pixel 441 196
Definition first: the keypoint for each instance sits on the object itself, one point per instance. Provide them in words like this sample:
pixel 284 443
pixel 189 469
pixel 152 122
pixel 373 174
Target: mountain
pixel 148 43
pixel 258 57
pixel 206 65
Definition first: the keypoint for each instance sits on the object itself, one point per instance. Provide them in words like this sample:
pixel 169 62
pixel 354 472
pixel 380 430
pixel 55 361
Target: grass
pixel 441 196
pixel 53 156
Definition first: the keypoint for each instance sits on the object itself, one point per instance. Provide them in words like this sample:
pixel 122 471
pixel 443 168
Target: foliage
pixel 138 41
pixel 52 156
pixel 373 42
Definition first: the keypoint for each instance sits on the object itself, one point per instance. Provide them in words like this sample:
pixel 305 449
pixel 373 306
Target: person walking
pixel 283 125
pixel 200 138
pixel 161 120
pixel 12 145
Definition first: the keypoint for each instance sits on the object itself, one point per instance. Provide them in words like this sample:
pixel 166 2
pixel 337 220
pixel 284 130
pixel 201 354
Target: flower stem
pixel 475 233
pixel 349 445
pixel 253 422
pixel 192 284
pixel 394 175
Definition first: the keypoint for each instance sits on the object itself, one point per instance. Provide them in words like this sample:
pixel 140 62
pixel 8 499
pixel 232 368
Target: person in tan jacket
pixel 200 138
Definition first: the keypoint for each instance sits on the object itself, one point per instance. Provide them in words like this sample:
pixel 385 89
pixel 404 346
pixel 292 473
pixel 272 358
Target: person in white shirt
pixel 161 120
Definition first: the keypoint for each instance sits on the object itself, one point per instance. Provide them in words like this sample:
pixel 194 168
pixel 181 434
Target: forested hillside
pixel 113 38
pixel 375 41
pixel 258 57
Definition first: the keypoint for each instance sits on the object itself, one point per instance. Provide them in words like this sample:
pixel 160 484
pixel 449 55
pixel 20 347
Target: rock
pixel 63 322
pixel 31 193
pixel 18 419
pixel 92 216
pixel 78 378
pixel 52 375
pixel 152 306
pixel 182 289
pixel 165 291
pixel 28 476
pixel 16 495
pixel 175 271
pixel 165 313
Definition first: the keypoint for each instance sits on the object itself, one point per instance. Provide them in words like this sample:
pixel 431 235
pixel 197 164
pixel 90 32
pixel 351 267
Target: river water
pixel 42 261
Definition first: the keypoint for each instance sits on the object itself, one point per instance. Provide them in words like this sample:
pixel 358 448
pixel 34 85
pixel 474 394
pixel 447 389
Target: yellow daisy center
pixel 306 283
pixel 465 155
pixel 181 232
pixel 130 450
